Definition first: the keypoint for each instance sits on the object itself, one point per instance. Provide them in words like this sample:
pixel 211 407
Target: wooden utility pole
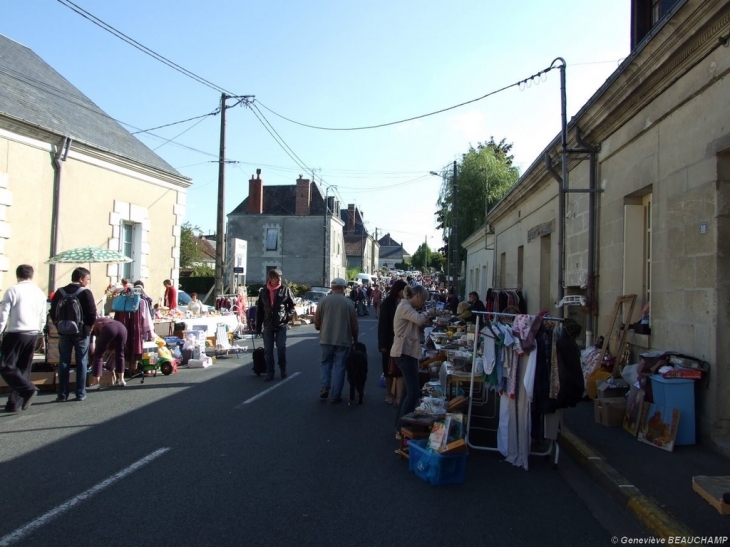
pixel 455 230
pixel 220 212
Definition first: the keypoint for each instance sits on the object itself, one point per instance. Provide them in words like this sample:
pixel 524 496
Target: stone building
pixel 284 226
pixel 655 141
pixel 361 248
pixel 71 176
pixel 391 252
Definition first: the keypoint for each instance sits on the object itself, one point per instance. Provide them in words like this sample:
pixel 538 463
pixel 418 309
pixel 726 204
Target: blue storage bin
pixel 677 393
pixel 433 467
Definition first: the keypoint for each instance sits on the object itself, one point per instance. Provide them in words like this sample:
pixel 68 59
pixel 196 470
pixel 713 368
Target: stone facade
pixel 661 124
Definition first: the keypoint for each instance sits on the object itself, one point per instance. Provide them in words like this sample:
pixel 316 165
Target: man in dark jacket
pixel 452 301
pixel 79 343
pixel 476 305
pixel 274 310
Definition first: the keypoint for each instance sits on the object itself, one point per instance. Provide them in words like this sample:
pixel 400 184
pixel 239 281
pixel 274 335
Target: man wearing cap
pixel 274 310
pixel 336 321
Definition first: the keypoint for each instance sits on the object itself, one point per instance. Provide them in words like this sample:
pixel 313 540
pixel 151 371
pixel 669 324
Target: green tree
pixel 421 257
pixel 191 256
pixel 436 261
pixel 484 175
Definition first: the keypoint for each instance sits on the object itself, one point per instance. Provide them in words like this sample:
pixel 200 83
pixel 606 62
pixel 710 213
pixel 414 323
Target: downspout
pixel 58 158
pixel 590 273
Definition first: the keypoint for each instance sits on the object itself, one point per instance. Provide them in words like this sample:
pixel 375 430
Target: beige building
pixel 70 176
pixel 660 131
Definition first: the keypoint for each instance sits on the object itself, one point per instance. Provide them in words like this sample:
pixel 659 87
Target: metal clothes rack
pixel 553 444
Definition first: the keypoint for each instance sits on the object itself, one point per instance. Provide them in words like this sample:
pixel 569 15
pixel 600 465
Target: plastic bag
pixel 381 380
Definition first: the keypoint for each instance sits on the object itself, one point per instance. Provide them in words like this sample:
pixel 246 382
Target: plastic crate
pixel 438 469
pixel 680 394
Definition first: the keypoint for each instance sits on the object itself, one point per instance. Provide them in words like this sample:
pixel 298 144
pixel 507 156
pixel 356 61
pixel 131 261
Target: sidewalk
pixel 661 497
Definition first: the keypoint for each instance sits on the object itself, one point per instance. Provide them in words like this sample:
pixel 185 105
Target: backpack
pixel 69 319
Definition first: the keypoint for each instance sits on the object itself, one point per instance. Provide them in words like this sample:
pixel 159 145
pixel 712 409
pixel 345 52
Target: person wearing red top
pixel 170 295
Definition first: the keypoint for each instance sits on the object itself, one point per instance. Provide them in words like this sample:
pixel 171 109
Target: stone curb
pixel 647 511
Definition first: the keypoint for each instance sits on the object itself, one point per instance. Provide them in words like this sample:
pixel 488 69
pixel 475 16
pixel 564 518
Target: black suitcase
pixel 259 361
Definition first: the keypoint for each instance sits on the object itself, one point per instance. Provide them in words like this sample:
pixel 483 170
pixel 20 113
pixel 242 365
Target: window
pixel 637 249
pixel 503 271
pixel 646 202
pixel 520 264
pixel 272 239
pixel 545 264
pixel 127 244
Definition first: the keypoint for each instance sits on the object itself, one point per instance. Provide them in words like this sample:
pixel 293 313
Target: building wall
pixel 673 149
pixel 300 251
pixel 91 193
pixel 479 264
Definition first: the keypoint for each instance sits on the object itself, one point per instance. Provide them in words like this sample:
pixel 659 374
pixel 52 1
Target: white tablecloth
pixel 210 322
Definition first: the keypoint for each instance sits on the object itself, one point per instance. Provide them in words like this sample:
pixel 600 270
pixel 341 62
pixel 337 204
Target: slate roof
pixel 282 200
pixel 32 92
pixel 207 248
pixel 353 246
pixel 387 241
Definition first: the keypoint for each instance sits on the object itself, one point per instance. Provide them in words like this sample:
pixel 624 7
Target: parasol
pixel 90 255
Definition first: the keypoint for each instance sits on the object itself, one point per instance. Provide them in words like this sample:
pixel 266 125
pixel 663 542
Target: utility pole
pixel 324 242
pixel 455 229
pixel 220 210
pixel 219 238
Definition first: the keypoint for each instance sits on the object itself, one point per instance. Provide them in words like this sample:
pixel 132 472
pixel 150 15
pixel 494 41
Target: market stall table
pixel 207 322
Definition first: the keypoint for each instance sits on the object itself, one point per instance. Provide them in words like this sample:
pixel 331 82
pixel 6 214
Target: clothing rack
pixel 553 447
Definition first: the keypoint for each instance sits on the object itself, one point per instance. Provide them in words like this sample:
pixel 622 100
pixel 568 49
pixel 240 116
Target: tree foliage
pixel 436 261
pixel 421 257
pixel 191 256
pixel 484 175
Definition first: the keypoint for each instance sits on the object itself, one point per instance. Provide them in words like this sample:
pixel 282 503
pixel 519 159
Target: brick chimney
pixel 304 196
pixel 351 217
pixel 256 194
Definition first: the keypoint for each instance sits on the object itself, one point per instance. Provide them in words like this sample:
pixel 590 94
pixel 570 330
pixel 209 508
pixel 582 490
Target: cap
pixel 338 282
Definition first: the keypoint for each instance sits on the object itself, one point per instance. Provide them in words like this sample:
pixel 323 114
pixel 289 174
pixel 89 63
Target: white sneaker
pixel 122 383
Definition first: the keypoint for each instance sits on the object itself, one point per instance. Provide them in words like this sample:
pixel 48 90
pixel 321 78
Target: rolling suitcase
pixel 259 361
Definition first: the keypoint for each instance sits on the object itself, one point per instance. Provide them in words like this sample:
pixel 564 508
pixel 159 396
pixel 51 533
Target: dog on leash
pixel 357 372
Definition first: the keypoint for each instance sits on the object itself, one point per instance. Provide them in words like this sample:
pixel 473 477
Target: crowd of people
pixel 84 334
pixel 87 335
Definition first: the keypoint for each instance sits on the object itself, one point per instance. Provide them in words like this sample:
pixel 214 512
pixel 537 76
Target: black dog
pixel 357 371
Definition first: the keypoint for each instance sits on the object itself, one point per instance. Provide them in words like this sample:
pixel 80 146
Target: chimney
pixel 256 194
pixel 304 196
pixel 350 217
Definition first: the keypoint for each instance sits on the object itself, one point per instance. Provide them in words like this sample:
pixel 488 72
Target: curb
pixel 647 511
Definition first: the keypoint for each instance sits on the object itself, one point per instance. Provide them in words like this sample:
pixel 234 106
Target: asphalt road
pixel 218 457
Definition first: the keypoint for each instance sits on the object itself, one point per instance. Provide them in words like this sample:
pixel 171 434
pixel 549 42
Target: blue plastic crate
pixel 677 393
pixel 438 469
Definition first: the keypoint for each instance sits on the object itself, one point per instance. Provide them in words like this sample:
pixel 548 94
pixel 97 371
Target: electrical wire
pixel 214 113
pixel 284 148
pixel 144 49
pixel 179 134
pixel 516 84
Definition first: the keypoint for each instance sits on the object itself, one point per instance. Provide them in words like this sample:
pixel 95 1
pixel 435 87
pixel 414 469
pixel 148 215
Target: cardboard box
pixel 610 391
pixel 106 379
pixel 609 412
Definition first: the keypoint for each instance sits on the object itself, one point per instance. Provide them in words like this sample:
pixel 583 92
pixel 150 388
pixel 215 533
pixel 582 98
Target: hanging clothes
pixel 139 328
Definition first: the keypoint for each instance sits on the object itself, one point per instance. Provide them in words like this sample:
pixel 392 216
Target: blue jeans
pixel 409 367
pixel 81 347
pixel 333 356
pixel 277 336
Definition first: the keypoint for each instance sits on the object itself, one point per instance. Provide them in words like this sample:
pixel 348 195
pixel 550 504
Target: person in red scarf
pixel 274 310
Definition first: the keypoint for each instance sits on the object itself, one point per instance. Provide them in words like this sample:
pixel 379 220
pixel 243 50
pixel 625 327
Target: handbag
pixel 393 369
pixel 125 301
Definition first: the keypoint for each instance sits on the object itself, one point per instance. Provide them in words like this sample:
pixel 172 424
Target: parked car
pixel 184 298
pixel 316 294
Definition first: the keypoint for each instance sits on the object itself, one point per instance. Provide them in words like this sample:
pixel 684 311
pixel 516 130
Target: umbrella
pixel 89 255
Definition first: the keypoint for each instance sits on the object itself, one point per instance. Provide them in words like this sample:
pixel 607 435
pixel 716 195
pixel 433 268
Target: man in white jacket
pixel 22 317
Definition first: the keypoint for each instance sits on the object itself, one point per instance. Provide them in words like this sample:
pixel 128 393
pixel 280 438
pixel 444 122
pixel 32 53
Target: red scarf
pixel 272 291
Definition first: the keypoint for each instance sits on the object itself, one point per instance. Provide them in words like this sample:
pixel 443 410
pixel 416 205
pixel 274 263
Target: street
pixel 218 457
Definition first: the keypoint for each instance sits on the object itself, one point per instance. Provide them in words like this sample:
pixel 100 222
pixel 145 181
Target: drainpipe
pixel 590 273
pixel 58 158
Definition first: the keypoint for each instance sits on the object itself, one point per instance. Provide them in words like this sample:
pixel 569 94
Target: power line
pixel 214 113
pixel 179 134
pixel 516 84
pixel 144 49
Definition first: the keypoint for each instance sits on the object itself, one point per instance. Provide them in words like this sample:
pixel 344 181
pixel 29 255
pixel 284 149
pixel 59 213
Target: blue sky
pixel 335 64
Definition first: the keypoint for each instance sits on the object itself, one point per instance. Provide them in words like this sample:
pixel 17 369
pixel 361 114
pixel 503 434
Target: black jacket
pixel 272 317
pixel 385 323
pixel 478 305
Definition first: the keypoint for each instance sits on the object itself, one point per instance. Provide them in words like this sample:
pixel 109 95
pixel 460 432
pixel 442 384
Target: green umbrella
pixel 91 255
